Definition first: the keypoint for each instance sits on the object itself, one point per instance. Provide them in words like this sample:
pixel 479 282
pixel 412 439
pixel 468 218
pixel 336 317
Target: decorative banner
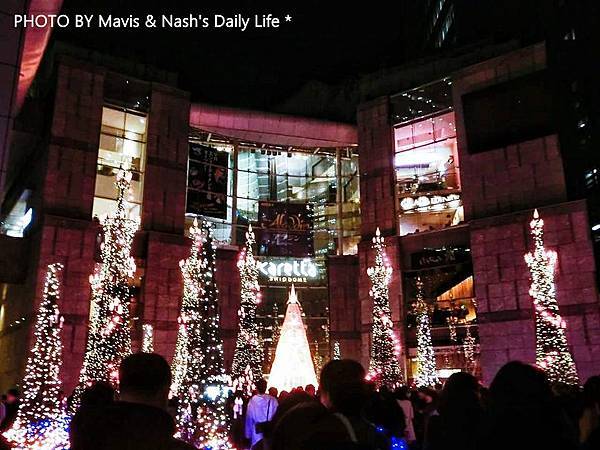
pixel 434 257
pixel 286 229
pixel 207 181
pixel 282 270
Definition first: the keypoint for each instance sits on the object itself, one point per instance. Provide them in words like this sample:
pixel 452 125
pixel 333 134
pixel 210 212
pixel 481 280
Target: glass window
pixel 122 144
pixel 427 174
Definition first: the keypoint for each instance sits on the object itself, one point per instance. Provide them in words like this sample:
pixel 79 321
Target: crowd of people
pixel 519 410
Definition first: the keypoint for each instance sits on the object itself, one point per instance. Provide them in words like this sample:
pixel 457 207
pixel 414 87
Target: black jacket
pixel 124 426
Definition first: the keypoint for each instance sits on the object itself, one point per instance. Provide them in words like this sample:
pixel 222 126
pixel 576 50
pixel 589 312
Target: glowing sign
pixel 288 270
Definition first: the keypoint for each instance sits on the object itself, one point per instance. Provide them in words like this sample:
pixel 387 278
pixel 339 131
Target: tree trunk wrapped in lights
pixel 384 368
pixel 427 371
pixel 248 353
pixel 147 338
pixel 201 419
pixel 41 419
pixel 179 363
pixel 293 365
pixel 552 350
pixel 109 335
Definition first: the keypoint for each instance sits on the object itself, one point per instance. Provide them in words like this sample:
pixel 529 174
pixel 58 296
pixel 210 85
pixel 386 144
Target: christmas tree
pixel 293 365
pixel 552 350
pixel 384 368
pixel 109 337
pixel 179 364
pixel 201 417
pixel 147 338
pixel 41 420
pixel 427 372
pixel 248 352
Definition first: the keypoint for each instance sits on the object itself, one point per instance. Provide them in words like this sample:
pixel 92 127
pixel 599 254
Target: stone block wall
pixel 376 165
pixel 344 305
pixel 502 281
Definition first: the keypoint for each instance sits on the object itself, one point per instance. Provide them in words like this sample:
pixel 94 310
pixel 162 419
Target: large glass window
pixel 122 144
pixel 291 194
pixel 443 278
pixel 426 165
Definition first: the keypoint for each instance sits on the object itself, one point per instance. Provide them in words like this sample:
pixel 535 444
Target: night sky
pixel 328 40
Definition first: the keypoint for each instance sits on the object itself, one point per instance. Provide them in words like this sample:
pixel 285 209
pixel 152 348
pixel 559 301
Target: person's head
pixel 12 395
pixel 98 394
pixel 460 393
pixel 283 394
pixel 261 386
pixel 342 386
pixel 426 395
pixel 591 392
pixel 517 383
pixel 401 393
pixel 310 389
pixel 145 378
pixel 273 391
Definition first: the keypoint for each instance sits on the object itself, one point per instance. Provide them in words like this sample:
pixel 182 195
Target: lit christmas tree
pixel 41 420
pixel 201 416
pixel 248 352
pixel 179 364
pixel 147 338
pixel 384 368
pixel 427 371
pixel 552 350
pixel 109 335
pixel 293 365
pixel 337 352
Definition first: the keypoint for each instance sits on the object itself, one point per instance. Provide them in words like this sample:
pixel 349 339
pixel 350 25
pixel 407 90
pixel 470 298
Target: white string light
pixel 384 368
pixel 552 350
pixel 248 352
pixel 109 334
pixel 201 419
pixel 41 421
pixel 427 370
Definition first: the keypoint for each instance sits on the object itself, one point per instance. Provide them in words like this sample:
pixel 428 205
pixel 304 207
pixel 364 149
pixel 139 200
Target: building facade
pixel 451 171
pixel 294 179
pixel 448 162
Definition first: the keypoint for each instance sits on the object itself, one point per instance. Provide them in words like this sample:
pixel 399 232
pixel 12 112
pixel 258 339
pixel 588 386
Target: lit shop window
pixel 427 175
pixel 122 144
pixel 19 217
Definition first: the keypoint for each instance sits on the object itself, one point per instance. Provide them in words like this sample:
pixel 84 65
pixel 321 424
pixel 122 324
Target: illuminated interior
pixel 426 165
pixel 122 144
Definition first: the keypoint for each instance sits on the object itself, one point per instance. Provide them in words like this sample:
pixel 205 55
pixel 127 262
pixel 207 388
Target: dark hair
pixel 401 393
pixel 261 386
pixel 344 381
pixel 522 403
pixel 461 391
pixel 14 392
pixel 591 391
pixel 144 373
pixel 98 394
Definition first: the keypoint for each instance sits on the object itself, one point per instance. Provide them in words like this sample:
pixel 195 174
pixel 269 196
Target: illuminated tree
pixel 293 365
pixel 427 371
pixel 248 352
pixel 384 368
pixel 109 336
pixel 552 350
pixel 179 364
pixel 147 338
pixel 41 420
pixel 201 419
